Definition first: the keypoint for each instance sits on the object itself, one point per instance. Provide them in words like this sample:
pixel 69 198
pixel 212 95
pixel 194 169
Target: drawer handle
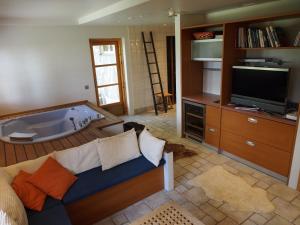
pixel 212 130
pixel 250 143
pixel 252 120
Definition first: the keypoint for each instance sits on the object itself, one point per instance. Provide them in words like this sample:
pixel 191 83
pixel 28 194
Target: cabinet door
pixel 213 116
pixel 276 134
pixel 212 125
pixel 212 135
pixel 256 152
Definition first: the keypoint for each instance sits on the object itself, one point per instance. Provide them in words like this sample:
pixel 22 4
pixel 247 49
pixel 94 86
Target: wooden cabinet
pixel 265 142
pixel 212 125
pixel 276 134
pixel 256 152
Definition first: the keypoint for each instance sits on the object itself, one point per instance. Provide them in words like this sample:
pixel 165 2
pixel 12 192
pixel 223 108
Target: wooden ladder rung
pixel 147 53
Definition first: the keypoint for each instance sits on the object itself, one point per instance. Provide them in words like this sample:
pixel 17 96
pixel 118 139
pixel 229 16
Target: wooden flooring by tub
pixel 14 153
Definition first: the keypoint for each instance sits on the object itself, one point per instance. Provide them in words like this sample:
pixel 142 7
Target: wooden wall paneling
pixel 48 147
pixel 88 135
pixel 30 152
pixel 80 138
pixel 20 153
pixel 192 73
pixel 66 143
pixel 2 155
pixel 73 140
pixel 115 198
pixel 39 149
pixel 10 154
pixel 57 145
pixel 230 58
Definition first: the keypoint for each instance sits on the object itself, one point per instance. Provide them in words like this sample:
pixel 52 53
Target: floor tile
pixel 283 192
pixel 277 220
pixel 286 210
pixel 258 219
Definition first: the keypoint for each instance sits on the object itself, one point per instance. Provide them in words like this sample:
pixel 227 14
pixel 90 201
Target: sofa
pixel 98 193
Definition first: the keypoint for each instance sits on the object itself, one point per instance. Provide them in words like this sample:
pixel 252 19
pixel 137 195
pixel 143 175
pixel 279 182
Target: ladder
pixel 152 74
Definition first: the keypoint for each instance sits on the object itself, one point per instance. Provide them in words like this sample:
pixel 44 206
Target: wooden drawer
pixel 256 152
pixel 213 116
pixel 276 134
pixel 212 135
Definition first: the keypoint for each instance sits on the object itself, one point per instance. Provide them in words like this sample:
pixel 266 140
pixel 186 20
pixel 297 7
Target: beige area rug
pixel 168 214
pixel 221 185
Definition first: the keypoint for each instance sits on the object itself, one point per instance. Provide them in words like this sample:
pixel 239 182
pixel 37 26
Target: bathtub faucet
pixel 72 120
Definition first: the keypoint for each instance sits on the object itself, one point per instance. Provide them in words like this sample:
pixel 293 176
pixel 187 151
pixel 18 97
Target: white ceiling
pixel 68 12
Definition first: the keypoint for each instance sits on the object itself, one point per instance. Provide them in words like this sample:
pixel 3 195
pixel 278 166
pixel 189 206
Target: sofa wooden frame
pixel 104 203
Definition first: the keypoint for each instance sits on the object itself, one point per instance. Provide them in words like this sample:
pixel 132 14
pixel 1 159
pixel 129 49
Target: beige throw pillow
pixel 118 149
pixel 29 166
pixel 12 211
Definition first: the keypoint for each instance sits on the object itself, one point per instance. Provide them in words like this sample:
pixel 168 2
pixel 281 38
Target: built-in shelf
pixel 270 48
pixel 208 40
pixel 195 126
pixel 208 59
pixel 194 115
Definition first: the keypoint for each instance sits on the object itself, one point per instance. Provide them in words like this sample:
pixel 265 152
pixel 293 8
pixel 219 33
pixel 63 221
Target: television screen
pixel 261 83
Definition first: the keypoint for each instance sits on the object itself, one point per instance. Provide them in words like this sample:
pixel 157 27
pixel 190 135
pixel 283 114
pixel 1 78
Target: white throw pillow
pixel 79 159
pixel 151 147
pixel 12 211
pixel 29 166
pixel 118 149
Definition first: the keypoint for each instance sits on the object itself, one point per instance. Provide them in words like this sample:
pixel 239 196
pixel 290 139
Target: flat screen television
pixel 261 87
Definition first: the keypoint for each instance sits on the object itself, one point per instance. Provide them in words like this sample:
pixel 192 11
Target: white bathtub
pixel 47 125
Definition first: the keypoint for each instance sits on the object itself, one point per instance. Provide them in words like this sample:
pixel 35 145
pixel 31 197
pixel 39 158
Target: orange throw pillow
pixel 32 197
pixel 53 179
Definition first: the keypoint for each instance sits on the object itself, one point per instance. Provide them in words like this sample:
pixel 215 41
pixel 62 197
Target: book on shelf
pixel 297 40
pixel 253 37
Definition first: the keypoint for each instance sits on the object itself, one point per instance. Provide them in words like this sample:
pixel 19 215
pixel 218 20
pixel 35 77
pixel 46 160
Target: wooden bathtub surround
pixel 118 197
pixel 260 138
pixel 14 153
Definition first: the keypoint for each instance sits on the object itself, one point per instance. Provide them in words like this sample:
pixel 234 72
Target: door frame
pixel 120 68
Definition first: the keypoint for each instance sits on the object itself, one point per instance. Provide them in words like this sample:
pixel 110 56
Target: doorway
pixel 171 67
pixel 107 65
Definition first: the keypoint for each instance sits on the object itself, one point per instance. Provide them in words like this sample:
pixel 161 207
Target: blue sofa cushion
pixel 49 203
pixel 95 180
pixel 56 215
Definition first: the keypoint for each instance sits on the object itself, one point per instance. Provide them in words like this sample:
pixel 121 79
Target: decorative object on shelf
pixel 297 40
pixel 260 37
pixel 203 35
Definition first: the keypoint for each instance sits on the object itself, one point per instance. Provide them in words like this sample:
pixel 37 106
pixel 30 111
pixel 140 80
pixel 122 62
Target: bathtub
pixel 47 125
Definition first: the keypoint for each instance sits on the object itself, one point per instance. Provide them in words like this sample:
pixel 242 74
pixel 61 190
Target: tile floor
pixel 209 211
